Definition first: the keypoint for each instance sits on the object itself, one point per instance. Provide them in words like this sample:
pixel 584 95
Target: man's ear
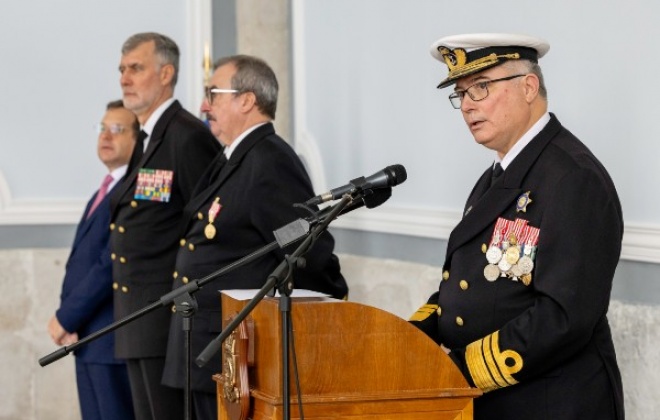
pixel 531 85
pixel 166 74
pixel 248 100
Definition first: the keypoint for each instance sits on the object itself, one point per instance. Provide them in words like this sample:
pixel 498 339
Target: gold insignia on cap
pixel 458 65
pixel 455 58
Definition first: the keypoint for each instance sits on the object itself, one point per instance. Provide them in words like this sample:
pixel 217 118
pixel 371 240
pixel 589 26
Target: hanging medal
pixel 209 230
pixel 494 251
pixel 529 253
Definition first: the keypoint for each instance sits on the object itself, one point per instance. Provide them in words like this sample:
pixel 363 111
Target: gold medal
pixel 491 272
pixel 209 231
pixel 526 279
pixel 513 254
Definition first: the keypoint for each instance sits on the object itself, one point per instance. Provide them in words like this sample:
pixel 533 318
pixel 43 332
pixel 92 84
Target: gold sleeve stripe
pixel 424 312
pixel 488 365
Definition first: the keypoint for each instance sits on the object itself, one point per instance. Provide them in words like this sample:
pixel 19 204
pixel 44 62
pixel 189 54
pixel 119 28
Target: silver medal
pixel 504 265
pixel 494 254
pixel 491 272
pixel 526 264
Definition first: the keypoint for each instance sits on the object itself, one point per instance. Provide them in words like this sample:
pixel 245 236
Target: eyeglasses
pixel 476 92
pixel 112 128
pixel 211 91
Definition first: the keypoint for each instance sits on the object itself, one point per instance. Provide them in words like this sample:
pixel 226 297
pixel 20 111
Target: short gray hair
pixel 528 66
pixel 166 49
pixel 254 75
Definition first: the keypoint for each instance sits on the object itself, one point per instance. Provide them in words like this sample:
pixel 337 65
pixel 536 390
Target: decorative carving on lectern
pixel 235 384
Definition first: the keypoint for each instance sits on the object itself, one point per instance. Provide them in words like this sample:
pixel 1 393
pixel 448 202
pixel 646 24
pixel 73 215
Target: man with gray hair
pixel 528 271
pixel 248 192
pixel 173 150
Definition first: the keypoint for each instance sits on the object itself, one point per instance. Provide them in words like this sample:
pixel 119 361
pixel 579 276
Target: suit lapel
pixel 503 193
pixel 226 170
pixel 155 140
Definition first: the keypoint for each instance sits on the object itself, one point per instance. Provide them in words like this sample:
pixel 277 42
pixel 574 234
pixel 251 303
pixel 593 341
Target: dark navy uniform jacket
pixel 145 226
pixel 255 191
pixel 539 349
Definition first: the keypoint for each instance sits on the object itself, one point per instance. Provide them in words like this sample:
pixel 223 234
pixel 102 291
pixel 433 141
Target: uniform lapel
pixel 155 140
pixel 503 193
pixel 226 170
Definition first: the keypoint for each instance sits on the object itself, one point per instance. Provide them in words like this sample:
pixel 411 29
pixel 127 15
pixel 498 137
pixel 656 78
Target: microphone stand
pixel 185 302
pixel 282 278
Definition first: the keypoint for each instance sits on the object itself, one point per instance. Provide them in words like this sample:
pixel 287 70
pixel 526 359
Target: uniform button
pixel 191 246
pixel 459 321
pixel 113 256
pixel 173 309
pixel 182 242
pixel 175 275
pixel 484 248
pixel 115 286
pixel 439 311
pixel 445 275
pixel 124 289
pixel 185 280
pixel 121 229
pixel 134 204
pixel 464 284
pixel 200 216
pixel 122 260
pixel 112 226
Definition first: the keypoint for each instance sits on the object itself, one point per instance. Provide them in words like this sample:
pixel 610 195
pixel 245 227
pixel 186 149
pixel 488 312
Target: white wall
pixel 58 71
pixel 366 98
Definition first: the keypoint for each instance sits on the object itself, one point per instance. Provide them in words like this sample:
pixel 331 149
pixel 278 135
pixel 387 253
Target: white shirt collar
pixel 524 141
pixel 149 125
pixel 116 176
pixel 230 149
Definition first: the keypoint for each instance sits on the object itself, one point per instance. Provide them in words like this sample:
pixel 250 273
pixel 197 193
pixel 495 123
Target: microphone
pixel 295 230
pixel 389 177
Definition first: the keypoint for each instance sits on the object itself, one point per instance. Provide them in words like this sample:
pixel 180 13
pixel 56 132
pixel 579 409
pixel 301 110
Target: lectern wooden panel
pixel 354 361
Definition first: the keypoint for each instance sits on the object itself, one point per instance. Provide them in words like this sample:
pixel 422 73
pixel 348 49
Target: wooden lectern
pixel 354 361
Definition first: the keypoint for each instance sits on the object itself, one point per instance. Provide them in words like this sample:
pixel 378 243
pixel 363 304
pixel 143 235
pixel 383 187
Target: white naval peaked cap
pixel 471 53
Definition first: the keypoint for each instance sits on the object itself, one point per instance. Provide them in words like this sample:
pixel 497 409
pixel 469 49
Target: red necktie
pixel 101 194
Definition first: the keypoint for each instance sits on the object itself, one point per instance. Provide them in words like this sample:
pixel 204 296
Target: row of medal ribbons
pixel 512 251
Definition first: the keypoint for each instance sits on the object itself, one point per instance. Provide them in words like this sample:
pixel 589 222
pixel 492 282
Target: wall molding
pixel 641 243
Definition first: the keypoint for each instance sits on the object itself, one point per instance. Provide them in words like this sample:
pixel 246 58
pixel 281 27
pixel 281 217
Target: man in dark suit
pixel 528 271
pixel 248 192
pixel 146 213
pixel 86 299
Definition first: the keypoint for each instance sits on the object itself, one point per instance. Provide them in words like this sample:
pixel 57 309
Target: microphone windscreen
pixel 398 174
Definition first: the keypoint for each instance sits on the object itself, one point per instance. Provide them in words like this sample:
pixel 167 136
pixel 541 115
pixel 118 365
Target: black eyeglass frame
pixel 456 97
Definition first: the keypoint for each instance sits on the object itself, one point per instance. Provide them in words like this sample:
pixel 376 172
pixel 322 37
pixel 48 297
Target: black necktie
pixel 138 151
pixel 497 172
pixel 218 164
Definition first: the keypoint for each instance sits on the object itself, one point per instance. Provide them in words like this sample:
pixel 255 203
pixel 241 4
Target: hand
pixel 58 333
pixel 69 338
